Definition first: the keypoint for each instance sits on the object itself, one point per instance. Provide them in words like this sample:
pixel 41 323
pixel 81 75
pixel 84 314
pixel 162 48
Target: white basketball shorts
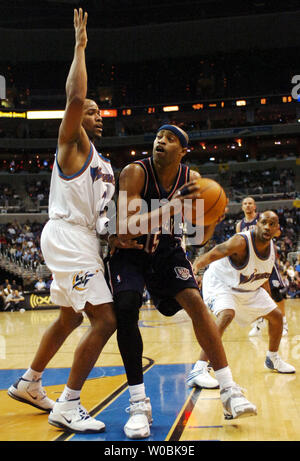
pixel 248 305
pixel 72 255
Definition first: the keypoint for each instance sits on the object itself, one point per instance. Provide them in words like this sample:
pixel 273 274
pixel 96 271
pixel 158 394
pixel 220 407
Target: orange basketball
pixel 214 205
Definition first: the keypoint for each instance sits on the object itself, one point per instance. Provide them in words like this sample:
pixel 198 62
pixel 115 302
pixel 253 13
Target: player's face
pixel 267 226
pixel 167 148
pixel 248 206
pixel 92 120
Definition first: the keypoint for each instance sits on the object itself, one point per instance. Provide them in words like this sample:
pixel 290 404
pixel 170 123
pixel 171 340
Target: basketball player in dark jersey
pixel 164 269
pixel 276 283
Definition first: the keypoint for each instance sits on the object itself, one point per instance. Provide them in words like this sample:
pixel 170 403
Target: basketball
pixel 215 202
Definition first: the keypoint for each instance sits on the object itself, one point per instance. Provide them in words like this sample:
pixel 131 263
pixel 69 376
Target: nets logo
pixel 182 273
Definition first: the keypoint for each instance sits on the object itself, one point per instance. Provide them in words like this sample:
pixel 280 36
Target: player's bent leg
pixel 205 328
pixel 70 414
pixel 199 376
pixel 127 305
pixel 235 404
pixel 30 391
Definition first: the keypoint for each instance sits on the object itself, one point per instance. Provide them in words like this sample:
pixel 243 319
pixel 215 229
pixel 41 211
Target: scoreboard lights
pixel 12 114
pixel 129 111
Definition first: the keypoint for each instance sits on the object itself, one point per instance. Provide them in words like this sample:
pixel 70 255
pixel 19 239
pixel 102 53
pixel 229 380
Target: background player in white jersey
pixel 82 183
pixel 236 285
pixel 276 283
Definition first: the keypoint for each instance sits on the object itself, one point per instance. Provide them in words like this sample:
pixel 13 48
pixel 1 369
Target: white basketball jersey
pixel 81 198
pixel 254 272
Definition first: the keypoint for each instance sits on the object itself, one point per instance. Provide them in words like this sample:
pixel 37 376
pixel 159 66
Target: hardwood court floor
pixel 170 349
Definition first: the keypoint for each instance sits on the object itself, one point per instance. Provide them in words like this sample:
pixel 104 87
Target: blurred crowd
pixel 20 244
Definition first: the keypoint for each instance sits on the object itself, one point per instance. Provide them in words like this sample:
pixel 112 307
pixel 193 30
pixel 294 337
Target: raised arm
pixel 72 139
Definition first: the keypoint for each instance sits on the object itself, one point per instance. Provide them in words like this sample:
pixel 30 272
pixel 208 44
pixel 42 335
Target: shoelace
pixel 136 407
pixel 84 415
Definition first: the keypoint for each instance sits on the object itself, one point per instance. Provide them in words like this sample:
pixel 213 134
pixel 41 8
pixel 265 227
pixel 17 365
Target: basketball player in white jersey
pixel 236 285
pixel 82 183
pixel 249 221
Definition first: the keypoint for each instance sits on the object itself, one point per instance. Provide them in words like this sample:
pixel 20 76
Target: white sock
pixel 224 377
pixel 32 375
pixel 69 394
pixel 272 355
pixel 137 392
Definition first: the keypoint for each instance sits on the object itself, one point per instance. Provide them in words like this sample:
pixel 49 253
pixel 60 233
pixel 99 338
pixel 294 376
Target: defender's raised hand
pixel 80 21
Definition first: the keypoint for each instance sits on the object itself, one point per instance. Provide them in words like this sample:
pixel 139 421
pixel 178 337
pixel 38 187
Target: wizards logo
pixel 80 280
pixel 96 173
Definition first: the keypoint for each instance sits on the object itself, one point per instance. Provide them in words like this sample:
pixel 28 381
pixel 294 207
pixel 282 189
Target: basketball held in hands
pixel 214 204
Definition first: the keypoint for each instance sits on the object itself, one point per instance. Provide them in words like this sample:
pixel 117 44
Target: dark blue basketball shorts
pixel 164 274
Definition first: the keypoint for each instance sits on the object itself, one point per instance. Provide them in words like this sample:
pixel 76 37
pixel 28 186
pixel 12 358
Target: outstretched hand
pixel 80 21
pixel 117 242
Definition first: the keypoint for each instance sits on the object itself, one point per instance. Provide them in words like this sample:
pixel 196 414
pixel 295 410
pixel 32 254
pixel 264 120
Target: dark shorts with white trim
pixel 164 274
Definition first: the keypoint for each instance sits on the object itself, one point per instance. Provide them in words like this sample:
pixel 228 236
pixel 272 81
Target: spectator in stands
pixel 14 301
pixel 40 285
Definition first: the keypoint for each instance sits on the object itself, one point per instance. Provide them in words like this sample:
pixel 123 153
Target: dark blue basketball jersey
pixel 248 225
pixel 155 195
pixel 163 266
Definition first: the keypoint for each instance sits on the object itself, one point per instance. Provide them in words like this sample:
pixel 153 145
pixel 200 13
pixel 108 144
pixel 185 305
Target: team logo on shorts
pixel 81 279
pixel 182 273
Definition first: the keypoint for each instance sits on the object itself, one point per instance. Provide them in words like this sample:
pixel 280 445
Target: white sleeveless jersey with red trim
pixel 81 198
pixel 252 274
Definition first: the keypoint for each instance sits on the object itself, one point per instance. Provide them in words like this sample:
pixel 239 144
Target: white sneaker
pixel 258 325
pixel 139 422
pixel 199 377
pixel 70 415
pixel 279 365
pixel 235 404
pixel 31 392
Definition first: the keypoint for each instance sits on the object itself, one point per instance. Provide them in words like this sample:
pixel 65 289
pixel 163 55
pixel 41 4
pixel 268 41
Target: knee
pixel 275 317
pixel 69 319
pixel 126 306
pixel 226 317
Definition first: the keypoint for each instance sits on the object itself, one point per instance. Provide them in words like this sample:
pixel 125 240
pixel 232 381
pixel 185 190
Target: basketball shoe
pixel 235 404
pixel 277 364
pixel 70 415
pixel 258 325
pixel 31 392
pixel 199 377
pixel 140 420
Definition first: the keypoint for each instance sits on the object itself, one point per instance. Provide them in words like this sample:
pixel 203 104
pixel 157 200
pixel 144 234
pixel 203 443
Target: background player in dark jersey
pixel 276 283
pixel 163 267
